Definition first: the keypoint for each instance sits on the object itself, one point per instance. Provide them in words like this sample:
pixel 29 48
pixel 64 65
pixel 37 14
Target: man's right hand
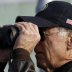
pixel 29 36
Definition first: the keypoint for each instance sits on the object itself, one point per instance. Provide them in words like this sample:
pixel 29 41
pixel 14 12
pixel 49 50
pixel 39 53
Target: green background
pixel 9 12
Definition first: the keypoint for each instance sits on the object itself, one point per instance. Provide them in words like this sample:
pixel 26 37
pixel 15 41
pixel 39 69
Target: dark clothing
pixel 4 58
pixel 2 66
pixel 65 68
pixel 23 63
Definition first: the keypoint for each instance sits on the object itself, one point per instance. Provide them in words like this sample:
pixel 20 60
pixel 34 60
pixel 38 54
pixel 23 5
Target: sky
pixel 15 1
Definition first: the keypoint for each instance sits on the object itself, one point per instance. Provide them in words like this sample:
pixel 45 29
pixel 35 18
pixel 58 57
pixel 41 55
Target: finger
pixel 28 26
pixel 20 27
pixel 36 28
pixel 31 27
pixel 27 29
pixel 25 24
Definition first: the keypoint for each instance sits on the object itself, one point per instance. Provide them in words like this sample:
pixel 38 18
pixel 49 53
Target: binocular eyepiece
pixel 8 35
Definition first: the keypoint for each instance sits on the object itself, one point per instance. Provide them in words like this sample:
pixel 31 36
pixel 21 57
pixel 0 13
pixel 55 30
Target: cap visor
pixel 36 20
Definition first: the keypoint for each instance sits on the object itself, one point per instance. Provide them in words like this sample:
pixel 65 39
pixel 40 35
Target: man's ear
pixel 69 47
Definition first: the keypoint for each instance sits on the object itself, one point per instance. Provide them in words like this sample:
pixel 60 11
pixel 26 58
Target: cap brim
pixel 40 22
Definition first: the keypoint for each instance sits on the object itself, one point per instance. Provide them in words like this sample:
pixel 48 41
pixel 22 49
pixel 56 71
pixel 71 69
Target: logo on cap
pixel 69 21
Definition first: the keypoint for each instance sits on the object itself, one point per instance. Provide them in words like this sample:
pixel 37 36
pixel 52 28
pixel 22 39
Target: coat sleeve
pixel 4 58
pixel 21 61
pixel 2 66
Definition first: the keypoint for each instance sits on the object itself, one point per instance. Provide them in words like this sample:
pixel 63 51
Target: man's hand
pixel 29 36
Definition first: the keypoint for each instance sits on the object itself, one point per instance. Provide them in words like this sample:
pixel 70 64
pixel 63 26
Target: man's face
pixel 52 51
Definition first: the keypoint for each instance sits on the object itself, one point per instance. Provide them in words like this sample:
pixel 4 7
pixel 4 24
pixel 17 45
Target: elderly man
pixel 52 42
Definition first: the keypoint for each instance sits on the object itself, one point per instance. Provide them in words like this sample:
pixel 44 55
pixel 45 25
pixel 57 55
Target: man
pixel 54 47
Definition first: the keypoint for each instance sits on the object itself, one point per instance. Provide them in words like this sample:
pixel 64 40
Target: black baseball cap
pixel 56 13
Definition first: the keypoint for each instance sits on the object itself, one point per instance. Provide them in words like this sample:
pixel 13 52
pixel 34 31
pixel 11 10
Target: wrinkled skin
pixel 55 50
pixel 29 36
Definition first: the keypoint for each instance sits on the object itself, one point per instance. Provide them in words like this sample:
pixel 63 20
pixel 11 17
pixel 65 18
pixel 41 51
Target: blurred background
pixel 10 9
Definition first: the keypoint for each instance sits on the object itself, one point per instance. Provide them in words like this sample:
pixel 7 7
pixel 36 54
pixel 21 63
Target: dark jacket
pixel 23 63
pixel 65 68
pixel 2 66
pixel 4 58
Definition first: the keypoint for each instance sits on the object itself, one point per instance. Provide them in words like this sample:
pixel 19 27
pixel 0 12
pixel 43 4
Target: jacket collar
pixel 65 68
